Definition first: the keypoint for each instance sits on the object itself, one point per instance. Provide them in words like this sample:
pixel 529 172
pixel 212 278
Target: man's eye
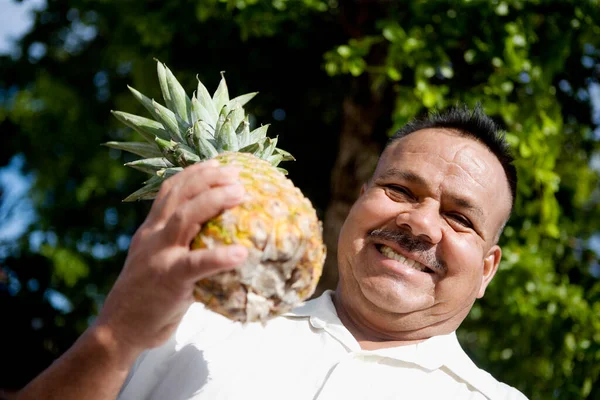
pixel 461 220
pixel 401 189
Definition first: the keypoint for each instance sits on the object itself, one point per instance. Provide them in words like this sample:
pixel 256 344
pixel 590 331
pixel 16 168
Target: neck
pixel 367 335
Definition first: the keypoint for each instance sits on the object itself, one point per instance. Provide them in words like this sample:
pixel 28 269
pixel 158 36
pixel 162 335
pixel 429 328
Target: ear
pixel 363 189
pixel 490 266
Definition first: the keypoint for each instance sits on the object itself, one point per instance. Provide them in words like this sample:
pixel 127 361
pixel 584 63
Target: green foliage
pixel 537 326
pixel 68 266
pixel 531 64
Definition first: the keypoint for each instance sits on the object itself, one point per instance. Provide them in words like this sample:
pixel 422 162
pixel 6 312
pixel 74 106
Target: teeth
pixel 388 252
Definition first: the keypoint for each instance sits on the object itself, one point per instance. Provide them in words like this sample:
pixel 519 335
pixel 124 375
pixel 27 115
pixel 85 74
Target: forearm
pixel 154 289
pixel 94 368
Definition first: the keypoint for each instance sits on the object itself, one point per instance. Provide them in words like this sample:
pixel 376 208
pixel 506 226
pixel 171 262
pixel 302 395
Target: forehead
pixel 450 162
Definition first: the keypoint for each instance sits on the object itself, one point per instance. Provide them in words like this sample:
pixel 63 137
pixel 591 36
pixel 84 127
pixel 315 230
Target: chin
pixel 387 295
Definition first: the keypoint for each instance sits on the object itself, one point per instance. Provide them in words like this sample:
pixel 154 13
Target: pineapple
pixel 275 222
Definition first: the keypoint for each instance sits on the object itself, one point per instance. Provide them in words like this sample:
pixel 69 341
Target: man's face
pixel 419 243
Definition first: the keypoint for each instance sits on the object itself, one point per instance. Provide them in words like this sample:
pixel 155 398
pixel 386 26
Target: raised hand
pixel 153 290
pixel 156 285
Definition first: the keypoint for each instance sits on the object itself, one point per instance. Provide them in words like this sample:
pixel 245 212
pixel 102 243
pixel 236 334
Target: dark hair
pixel 474 124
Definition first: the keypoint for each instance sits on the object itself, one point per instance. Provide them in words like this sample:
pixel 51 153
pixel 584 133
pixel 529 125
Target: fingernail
pixel 212 162
pixel 237 252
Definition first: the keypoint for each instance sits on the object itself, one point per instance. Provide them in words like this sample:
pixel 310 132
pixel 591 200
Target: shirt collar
pixel 433 353
pixel 321 307
pixel 322 314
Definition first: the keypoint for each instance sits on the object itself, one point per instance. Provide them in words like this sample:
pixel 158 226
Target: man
pixel 417 249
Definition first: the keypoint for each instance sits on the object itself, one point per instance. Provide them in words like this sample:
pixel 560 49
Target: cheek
pixel 372 210
pixel 375 207
pixel 464 259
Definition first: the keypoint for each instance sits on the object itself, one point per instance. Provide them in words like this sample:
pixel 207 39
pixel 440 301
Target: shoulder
pixel 494 389
pixel 462 365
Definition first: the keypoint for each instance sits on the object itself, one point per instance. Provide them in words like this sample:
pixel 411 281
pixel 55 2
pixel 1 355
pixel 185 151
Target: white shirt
pixel 306 354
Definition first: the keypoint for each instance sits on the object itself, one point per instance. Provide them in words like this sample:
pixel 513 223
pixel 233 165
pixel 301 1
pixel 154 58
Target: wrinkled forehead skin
pixel 453 164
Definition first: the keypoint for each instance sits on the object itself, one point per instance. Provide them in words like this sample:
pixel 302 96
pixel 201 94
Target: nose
pixel 422 220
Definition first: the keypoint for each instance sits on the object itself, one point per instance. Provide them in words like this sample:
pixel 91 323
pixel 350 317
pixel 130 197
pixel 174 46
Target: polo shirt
pixel 305 354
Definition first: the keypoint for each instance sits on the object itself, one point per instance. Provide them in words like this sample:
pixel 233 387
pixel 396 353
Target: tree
pixel 343 75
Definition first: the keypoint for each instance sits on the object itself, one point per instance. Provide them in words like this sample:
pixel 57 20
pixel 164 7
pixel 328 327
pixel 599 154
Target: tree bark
pixel 363 133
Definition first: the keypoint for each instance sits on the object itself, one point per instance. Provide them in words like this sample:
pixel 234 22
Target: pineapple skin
pixel 283 235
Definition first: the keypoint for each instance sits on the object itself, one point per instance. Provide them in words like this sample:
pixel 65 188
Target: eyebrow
pixel 466 204
pixel 419 180
pixel 405 175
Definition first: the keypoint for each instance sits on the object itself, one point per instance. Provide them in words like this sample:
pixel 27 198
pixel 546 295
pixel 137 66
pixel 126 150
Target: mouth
pixel 391 253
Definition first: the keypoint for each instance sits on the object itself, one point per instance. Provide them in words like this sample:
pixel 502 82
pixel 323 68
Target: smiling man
pixel 417 249
pixel 420 243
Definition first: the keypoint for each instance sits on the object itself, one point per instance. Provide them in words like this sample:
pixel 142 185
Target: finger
pixel 194 184
pixel 185 223
pixel 166 186
pixel 169 183
pixel 199 264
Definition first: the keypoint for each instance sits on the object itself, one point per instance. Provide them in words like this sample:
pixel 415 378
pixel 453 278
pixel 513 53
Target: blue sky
pixel 15 20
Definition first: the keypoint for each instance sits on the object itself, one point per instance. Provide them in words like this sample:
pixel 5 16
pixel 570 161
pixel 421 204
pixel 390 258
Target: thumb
pixel 199 264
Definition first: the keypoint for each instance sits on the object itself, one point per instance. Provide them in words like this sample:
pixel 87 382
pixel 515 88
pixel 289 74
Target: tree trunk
pixel 364 124
pixel 366 116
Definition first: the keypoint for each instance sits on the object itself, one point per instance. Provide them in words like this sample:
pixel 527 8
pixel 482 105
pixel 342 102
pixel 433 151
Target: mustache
pixel 411 244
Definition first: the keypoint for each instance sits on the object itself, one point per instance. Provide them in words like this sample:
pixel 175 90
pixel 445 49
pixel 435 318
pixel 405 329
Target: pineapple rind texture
pixel 283 235
pixel 276 222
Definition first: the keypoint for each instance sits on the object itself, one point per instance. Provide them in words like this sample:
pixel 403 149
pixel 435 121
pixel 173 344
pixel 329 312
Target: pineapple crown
pixel 188 131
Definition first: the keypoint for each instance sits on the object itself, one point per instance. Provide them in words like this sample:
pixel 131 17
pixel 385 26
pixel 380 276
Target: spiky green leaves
pixel 173 93
pixel 148 128
pixel 188 130
pixel 177 153
pixel 221 96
